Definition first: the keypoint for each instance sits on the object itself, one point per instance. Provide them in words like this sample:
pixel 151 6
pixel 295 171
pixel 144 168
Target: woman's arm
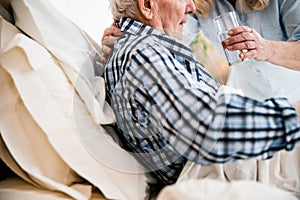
pixel 280 53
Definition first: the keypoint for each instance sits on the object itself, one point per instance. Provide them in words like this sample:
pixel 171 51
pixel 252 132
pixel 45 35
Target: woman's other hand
pixel 110 35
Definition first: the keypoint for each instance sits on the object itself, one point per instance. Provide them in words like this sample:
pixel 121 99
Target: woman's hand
pixel 250 42
pixel 110 35
pixel 282 53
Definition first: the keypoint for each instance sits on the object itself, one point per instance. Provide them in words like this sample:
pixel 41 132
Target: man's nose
pixel 191 7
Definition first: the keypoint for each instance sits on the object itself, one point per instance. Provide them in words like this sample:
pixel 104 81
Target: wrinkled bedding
pixel 74 146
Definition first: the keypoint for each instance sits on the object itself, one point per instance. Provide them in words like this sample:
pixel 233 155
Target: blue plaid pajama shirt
pixel 170 110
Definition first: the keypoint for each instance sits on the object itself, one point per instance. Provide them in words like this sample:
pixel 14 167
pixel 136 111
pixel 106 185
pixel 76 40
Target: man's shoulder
pixel 140 43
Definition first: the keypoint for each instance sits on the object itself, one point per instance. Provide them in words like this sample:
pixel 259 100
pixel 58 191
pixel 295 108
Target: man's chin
pixel 177 35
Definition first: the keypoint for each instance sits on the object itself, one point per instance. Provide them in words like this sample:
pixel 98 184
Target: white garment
pixel 208 189
pixel 261 80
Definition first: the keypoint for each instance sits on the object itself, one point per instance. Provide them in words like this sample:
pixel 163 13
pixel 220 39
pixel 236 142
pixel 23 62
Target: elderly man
pixel 170 110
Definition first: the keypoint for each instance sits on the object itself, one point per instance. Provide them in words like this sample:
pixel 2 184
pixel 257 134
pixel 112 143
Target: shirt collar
pixel 128 25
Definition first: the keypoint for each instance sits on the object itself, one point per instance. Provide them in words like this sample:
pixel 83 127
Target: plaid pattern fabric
pixel 169 109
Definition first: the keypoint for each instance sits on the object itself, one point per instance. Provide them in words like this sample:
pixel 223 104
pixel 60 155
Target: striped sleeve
pixel 197 123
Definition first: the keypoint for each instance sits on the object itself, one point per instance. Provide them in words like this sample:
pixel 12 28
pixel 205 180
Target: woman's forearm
pixel 286 54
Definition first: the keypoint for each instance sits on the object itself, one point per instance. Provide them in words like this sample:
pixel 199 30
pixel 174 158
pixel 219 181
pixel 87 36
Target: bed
pixel 56 136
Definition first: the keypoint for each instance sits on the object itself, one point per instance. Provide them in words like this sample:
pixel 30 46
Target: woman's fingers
pixel 245 45
pixel 247 40
pixel 111 31
pixel 110 35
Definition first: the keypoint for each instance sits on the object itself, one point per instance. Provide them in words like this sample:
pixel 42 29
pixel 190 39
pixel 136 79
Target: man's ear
pixel 146 8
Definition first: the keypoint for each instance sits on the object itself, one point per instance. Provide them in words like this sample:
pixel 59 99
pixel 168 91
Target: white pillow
pixel 74 49
pixel 15 188
pixel 90 152
pixel 11 163
pixel 49 98
pixel 7 32
pixel 25 139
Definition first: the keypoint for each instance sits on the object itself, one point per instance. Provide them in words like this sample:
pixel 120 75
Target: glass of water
pixel 223 23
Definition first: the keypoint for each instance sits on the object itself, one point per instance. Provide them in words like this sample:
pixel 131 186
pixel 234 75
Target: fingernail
pixel 230 32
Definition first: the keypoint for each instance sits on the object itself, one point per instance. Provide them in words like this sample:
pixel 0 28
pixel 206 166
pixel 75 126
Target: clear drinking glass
pixel 223 23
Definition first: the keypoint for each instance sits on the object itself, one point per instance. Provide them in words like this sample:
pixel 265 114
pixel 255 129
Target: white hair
pixel 125 8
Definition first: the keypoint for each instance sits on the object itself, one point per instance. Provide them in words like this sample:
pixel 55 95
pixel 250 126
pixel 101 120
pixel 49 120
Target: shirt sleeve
pixel 201 122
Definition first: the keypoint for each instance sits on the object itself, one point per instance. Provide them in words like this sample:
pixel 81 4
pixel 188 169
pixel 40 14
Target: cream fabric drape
pixel 53 110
